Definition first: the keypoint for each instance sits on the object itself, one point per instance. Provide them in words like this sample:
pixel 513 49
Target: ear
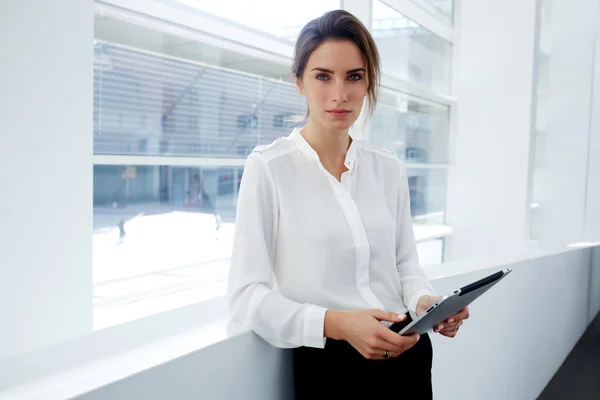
pixel 299 85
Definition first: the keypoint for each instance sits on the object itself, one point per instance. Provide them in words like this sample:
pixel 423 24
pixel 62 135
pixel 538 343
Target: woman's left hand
pixel 450 326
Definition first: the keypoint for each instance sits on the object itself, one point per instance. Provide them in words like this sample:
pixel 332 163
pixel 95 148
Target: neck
pixel 330 145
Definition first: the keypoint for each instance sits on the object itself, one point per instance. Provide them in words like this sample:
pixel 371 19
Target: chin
pixel 339 124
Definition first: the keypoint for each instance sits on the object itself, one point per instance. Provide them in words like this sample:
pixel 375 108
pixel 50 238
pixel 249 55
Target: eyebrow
pixel 350 71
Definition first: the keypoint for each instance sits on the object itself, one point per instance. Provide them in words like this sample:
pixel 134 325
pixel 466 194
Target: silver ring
pixel 385 354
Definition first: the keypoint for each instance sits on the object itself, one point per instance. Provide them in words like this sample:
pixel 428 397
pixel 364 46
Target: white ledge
pixel 99 368
pixel 94 375
pixel 424 233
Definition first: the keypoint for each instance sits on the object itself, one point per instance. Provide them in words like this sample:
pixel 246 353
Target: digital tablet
pixel 449 305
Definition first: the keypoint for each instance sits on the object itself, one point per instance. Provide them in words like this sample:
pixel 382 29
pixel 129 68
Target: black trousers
pixel 339 370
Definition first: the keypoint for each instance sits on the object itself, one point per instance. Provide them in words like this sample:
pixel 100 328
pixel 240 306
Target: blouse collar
pixel 307 149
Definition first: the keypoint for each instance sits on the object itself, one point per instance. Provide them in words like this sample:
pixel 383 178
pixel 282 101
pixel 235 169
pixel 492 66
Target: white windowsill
pixel 424 233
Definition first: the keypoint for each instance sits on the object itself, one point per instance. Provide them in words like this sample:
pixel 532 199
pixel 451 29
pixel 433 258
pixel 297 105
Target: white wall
pixel 46 87
pixel 488 185
pixel 592 217
pixel 509 349
pixel 562 174
pixel 594 284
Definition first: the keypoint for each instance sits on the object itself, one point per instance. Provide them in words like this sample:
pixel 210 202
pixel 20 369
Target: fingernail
pixel 418 337
pixel 451 320
pixel 441 327
pixel 401 316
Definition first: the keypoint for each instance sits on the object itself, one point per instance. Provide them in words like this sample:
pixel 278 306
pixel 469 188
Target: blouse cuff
pixel 314 327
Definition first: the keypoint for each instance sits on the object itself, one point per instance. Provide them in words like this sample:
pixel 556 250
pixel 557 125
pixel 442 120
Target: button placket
pixel 342 191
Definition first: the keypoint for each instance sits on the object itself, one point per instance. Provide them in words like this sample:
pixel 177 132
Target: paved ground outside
pixel 165 250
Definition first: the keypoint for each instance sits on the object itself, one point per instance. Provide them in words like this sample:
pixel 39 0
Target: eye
pixel 322 77
pixel 354 77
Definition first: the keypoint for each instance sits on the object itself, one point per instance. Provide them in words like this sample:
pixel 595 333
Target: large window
pixel 175 117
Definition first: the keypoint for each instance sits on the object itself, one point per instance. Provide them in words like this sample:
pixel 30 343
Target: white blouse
pixel 306 242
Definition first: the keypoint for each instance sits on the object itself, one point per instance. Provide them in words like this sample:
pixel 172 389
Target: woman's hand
pixel 362 329
pixel 450 326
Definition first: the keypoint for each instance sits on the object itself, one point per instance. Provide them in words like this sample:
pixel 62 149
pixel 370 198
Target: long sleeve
pixel 252 300
pixel 413 278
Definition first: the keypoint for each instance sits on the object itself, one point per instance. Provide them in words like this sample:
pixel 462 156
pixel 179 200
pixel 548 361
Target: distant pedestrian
pixel 217 226
pixel 121 230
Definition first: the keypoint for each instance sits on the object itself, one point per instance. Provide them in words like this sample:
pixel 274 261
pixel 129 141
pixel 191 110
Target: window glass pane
pixel 427 194
pixel 415 130
pixel 411 52
pixel 158 229
pixel 280 18
pixel 152 104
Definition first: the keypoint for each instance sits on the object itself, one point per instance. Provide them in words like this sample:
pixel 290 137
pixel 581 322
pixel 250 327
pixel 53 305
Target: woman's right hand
pixel 362 329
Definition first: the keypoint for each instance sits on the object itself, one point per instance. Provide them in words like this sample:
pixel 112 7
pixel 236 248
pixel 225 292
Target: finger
pixel 395 342
pixel 387 315
pixel 446 326
pixel 450 322
pixel 450 329
pixel 392 354
pixel 459 316
pixel 379 346
pixel 452 325
pixel 449 334
pixel 404 341
pixel 378 353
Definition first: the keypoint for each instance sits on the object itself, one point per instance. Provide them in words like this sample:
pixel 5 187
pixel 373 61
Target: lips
pixel 339 112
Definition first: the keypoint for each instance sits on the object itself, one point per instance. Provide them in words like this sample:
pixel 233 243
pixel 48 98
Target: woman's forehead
pixel 336 55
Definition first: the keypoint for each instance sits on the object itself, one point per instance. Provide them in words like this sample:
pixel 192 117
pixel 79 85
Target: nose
pixel 340 93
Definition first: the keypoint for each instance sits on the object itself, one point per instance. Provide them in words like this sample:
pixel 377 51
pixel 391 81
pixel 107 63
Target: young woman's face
pixel 335 84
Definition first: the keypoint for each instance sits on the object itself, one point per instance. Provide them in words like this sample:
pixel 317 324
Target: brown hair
pixel 339 24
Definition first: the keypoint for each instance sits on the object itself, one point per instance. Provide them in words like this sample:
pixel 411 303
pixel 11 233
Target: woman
pixel 324 256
